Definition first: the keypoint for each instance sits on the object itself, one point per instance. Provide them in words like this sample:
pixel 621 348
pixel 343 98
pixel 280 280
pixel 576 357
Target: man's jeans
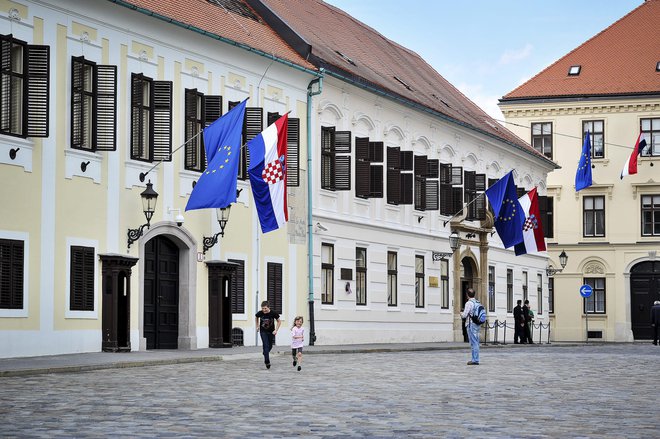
pixel 268 340
pixel 473 335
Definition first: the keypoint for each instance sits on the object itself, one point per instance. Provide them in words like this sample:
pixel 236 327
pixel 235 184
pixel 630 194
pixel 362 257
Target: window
pixel 93 105
pixel 451 189
pixel 368 168
pixel 542 138
pixel 551 295
pixel 392 279
pixel 292 148
pixel 546 211
pixel 650 215
pixel 406 177
pixel 509 290
pixel 200 112
pixel 524 286
pixel 238 287
pixel 594 216
pixel 253 123
pixel 151 119
pixel 475 185
pixel 595 304
pixel 327 274
pixel 419 281
pixel 427 185
pixel 24 89
pixel 335 159
pixel 574 70
pixel 400 177
pixel 360 276
pixel 539 293
pixel 274 286
pixel 82 279
pixel 595 128
pixel 11 273
pixel 650 129
pixel 444 281
pixel 491 289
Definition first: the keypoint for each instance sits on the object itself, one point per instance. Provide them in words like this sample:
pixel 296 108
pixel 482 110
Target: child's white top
pixel 297 332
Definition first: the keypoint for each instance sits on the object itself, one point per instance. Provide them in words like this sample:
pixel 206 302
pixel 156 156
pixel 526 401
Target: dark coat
pixel 525 310
pixel 518 314
pixel 655 315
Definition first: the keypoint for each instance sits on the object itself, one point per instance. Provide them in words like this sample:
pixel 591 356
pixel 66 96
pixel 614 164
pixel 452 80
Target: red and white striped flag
pixel 533 241
pixel 630 167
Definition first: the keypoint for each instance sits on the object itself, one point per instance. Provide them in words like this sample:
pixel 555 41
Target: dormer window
pixel 574 70
pixel 402 82
pixel 657 66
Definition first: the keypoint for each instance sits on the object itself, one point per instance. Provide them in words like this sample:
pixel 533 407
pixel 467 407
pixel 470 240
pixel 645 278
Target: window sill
pixel 75 160
pixel 362 308
pixel 23 149
pixel 186 180
pixel 84 315
pixel 393 309
pixel 13 313
pixel 421 311
pixel 133 170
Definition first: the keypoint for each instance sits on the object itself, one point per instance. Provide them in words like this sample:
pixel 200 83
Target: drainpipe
pixel 310 242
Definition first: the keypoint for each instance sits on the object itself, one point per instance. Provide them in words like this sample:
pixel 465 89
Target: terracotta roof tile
pixel 620 60
pixel 218 21
pixel 378 60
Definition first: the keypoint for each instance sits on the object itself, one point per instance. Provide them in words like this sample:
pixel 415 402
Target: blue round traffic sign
pixel 586 290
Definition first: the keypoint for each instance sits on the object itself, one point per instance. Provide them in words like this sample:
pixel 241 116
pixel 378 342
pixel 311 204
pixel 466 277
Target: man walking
pixel 528 323
pixel 655 320
pixel 518 323
pixel 472 328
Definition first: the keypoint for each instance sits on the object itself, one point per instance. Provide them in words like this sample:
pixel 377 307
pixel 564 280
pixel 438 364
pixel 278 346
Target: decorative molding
pixel 594 267
pixel 84 37
pixel 598 189
pixel 394 129
pixel 639 187
pixel 14 15
pixel 194 71
pixel 362 117
pixel 143 56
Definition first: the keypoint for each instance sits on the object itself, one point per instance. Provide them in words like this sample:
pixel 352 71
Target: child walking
pixel 297 341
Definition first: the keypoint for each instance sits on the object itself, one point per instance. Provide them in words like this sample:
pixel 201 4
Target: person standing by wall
pixel 528 323
pixel 518 323
pixel 655 320
pixel 472 328
pixel 265 322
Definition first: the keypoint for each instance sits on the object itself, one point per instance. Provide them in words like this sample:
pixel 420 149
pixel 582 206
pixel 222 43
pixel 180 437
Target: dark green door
pixel 644 290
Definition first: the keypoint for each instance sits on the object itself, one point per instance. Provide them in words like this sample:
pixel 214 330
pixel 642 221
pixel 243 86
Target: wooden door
pixel 644 290
pixel 161 294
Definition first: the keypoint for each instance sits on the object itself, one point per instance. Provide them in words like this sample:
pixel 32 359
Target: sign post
pixel 586 291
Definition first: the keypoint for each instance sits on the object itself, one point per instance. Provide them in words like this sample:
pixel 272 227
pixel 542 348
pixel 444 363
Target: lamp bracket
pixel 210 241
pixel 135 234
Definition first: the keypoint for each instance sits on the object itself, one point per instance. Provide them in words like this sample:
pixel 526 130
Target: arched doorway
pixel 644 290
pixel 161 293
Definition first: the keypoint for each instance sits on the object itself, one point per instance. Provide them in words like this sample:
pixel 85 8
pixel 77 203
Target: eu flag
pixel 216 186
pixel 583 174
pixel 509 215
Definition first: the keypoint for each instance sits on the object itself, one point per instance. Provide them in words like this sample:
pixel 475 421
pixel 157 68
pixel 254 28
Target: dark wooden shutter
pixel 38 74
pixel 520 191
pixel 480 187
pixel 274 286
pixel 238 288
pixel 82 279
pixel 271 118
pixel 456 175
pixel 190 117
pixel 293 153
pixel 137 122
pixel 446 198
pixel 362 167
pixel 433 168
pixel 162 121
pixel 105 115
pixel 77 101
pixel 393 175
pixel 470 194
pixel 11 273
pixel 421 169
pixel 376 181
pixel 376 151
pixel 432 184
pixel 457 198
pixel 406 188
pixel 212 109
pixel 328 158
pixel 545 208
pixel 342 162
pixel 407 160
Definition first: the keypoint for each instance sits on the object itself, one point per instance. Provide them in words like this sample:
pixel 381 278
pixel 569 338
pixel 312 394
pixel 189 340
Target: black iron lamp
pixel 563 260
pixel 454 243
pixel 223 217
pixel 149 197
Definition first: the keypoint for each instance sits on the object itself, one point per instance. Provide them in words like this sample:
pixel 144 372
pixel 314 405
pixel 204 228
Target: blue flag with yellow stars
pixel 509 215
pixel 216 186
pixel 583 174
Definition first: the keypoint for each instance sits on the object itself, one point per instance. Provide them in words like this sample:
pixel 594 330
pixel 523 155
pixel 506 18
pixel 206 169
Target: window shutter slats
pixel 106 108
pixel 238 288
pixel 137 89
pixel 376 181
pixel 445 173
pixel 420 193
pixel 271 118
pixel 342 142
pixel 406 189
pixel 433 168
pixel 274 287
pixel 254 122
pixel 480 182
pixel 393 157
pixel 470 181
pixel 457 198
pixel 293 153
pixel 37 90
pixel 456 175
pixel 212 109
pixel 393 186
pixel 446 199
pixel 327 172
pixel 406 161
pixel 376 151
pixel 362 177
pixel 77 84
pixel 162 120
pixel 421 165
pixel 361 149
pixel 432 191
pixel 11 273
pixel 343 173
pixel 190 113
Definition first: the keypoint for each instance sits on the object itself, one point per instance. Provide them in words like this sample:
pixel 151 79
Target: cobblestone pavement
pixel 584 391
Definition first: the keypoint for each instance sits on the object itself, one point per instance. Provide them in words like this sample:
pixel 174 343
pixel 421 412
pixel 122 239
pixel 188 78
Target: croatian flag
pixel 630 167
pixel 268 174
pixel 533 241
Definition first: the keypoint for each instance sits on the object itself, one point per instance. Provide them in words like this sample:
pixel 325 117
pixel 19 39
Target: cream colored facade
pixel 611 257
pixel 50 203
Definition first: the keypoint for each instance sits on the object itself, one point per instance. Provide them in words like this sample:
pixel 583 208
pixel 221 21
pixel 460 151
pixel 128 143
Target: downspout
pixel 310 241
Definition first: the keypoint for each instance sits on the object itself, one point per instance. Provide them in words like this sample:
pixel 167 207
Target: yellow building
pixel 610 87
pixel 95 99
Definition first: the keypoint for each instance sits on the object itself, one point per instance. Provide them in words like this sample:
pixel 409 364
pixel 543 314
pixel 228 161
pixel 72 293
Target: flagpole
pixel 143 175
pixel 444 224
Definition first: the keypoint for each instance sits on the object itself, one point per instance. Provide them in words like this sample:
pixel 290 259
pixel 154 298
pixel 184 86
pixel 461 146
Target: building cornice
pixel 573 108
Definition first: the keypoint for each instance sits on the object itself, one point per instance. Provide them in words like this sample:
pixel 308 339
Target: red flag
pixel 630 167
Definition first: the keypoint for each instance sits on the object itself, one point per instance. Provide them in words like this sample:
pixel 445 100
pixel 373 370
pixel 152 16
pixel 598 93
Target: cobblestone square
pixel 531 391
